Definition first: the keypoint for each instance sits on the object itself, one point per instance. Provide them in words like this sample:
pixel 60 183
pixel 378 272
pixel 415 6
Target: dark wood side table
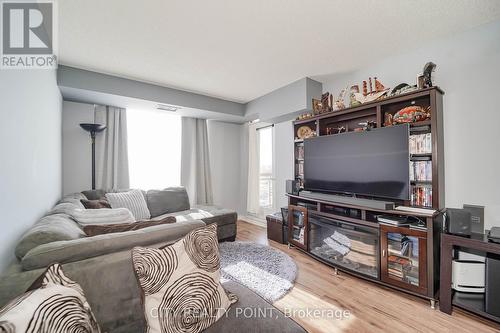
pixel 448 242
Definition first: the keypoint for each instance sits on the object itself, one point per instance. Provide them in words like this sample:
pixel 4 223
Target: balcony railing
pixel 266 189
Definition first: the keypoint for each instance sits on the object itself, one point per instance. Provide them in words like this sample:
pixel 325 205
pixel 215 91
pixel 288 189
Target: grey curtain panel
pixel 112 149
pixel 195 161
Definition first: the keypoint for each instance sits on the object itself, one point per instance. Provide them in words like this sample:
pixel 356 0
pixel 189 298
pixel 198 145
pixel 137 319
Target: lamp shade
pixel 96 128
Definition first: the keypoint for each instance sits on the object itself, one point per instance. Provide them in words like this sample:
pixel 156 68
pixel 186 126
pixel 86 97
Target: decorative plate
pixel 304 132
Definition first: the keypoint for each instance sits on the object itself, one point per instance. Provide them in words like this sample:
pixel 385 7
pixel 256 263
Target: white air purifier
pixel 468 276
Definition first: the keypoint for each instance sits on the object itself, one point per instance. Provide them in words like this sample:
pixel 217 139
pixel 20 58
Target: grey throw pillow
pixel 132 200
pixel 169 200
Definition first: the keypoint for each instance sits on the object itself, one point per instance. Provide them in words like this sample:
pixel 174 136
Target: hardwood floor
pixel 372 308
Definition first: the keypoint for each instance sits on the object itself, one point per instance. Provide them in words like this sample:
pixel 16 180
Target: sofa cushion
pixel 208 214
pixel 265 318
pixel 73 198
pixel 94 194
pixel 102 216
pixel 101 229
pixel 169 200
pixel 133 200
pixel 52 228
pixel 88 247
pixel 64 208
pixel 98 194
pixel 95 204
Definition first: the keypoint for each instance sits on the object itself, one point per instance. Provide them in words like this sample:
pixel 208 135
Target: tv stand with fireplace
pixel 344 233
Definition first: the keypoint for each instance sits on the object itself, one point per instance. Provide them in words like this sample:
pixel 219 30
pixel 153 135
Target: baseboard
pixel 253 220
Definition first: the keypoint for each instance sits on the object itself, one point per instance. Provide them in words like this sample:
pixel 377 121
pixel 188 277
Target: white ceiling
pixel 239 50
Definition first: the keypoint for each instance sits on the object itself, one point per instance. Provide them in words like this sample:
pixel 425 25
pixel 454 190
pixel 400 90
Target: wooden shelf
pixel 375 111
pixel 385 101
pixel 421 182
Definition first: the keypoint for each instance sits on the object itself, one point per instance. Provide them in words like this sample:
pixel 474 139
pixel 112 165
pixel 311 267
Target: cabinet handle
pixel 383 253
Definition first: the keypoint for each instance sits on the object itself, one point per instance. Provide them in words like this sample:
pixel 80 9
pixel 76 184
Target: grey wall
pixel 224 141
pixel 468 70
pixel 284 103
pixel 30 141
pixel 76 156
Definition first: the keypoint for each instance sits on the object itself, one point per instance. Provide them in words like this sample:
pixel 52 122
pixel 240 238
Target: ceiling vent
pixel 166 107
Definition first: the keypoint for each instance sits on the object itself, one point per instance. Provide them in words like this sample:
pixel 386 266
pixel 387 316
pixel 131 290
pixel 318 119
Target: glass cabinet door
pixel 297 226
pixel 404 258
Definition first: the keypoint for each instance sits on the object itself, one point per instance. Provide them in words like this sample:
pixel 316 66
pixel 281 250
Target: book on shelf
pixel 300 152
pixel 421 170
pixel 421 195
pixel 300 168
pixel 421 143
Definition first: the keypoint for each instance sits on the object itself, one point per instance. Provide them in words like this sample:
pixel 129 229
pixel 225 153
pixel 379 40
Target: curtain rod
pixel 258 129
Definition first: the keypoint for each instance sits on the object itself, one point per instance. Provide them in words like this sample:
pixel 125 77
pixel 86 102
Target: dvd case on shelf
pixel 420 143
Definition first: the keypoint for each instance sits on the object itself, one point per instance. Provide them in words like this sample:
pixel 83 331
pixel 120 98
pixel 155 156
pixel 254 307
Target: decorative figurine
pixel 326 103
pixel 388 120
pixel 412 114
pixel 378 86
pixel 428 69
pixel 367 125
pixel 339 102
pixel 335 130
pixel 379 92
pixel 305 116
pixel 316 106
pixel 402 88
pixel 352 99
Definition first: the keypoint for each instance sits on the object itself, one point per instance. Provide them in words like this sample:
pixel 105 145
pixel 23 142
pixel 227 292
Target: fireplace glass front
pixel 348 245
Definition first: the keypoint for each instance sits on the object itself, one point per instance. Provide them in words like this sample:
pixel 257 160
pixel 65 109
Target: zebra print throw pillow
pixel 180 285
pixel 53 304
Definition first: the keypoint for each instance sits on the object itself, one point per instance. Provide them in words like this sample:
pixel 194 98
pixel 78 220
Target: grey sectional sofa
pixel 102 264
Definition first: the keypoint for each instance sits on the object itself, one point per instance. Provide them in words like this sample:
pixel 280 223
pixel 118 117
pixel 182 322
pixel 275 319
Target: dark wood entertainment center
pixel 348 236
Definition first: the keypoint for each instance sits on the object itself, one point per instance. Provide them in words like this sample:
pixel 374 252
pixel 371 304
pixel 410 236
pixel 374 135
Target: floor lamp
pixel 93 129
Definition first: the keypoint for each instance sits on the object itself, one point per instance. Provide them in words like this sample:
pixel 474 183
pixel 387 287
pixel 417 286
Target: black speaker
pixel 457 221
pixel 292 187
pixel 492 305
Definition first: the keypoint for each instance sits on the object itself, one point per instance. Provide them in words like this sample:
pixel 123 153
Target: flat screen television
pixel 372 163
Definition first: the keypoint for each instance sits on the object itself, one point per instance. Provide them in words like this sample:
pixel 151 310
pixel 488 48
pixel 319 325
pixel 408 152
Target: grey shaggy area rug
pixel 267 271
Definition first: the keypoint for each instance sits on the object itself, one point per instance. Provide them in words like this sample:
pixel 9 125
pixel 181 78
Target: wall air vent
pixel 166 107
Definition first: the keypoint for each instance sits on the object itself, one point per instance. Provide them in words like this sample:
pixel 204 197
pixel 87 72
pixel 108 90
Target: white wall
pixel 76 148
pixel 225 163
pixel 468 70
pixel 283 160
pixel 30 141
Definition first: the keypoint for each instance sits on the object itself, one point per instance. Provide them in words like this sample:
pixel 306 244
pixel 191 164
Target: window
pixel 154 148
pixel 266 175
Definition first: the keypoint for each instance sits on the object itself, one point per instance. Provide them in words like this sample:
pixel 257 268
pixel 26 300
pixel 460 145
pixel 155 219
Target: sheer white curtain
pixel 195 161
pixel 112 149
pixel 253 205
